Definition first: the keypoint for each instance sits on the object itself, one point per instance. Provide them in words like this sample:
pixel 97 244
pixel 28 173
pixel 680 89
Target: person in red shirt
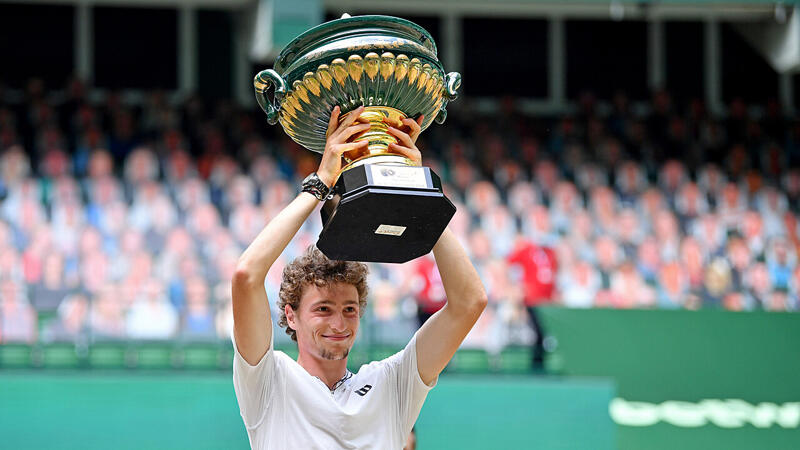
pixel 428 288
pixel 535 267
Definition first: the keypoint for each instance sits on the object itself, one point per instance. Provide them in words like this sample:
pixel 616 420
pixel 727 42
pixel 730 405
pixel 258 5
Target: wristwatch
pixel 316 187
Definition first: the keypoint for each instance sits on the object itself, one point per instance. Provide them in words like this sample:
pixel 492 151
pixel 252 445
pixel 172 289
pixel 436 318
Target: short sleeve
pixel 411 390
pixel 253 385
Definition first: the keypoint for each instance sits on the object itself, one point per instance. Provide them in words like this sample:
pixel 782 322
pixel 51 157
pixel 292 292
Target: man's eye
pixel 350 309
pixel 323 309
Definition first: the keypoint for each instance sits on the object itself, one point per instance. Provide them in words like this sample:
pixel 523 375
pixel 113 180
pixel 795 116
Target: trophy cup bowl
pixel 382 207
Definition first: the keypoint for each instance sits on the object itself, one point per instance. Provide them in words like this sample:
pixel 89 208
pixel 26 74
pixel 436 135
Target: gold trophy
pixel 382 208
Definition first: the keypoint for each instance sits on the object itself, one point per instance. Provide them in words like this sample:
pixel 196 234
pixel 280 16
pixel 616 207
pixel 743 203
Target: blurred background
pixel 627 178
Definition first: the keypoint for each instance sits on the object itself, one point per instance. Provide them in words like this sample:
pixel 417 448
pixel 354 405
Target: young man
pixel 315 403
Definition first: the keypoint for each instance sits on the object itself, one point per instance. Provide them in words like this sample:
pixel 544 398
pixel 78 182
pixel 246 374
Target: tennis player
pixel 315 402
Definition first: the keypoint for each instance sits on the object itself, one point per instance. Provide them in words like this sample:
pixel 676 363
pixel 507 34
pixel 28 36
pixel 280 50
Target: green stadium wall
pixel 688 379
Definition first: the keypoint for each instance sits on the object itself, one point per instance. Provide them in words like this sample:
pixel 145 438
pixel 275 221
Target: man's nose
pixel 337 322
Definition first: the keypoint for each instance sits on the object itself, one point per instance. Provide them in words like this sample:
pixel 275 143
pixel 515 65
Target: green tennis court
pixel 97 410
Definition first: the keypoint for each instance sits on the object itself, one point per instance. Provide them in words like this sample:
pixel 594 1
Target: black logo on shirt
pixel 363 391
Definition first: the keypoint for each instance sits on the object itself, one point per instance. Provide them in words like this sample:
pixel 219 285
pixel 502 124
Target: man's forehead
pixel 333 293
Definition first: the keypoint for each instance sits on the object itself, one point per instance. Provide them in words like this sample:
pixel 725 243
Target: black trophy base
pixel 384 213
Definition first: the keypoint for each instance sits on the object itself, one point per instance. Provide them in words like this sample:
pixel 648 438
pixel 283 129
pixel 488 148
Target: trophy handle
pixel 452 83
pixel 261 82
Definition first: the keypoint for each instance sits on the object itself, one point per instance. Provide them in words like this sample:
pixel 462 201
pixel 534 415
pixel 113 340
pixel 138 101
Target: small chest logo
pixel 363 391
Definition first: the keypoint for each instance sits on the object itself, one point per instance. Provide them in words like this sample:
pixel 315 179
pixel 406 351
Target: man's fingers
pixel 392 123
pixel 411 153
pixel 346 133
pixel 351 117
pixel 402 136
pixel 333 120
pixel 341 148
pixel 420 119
pixel 413 125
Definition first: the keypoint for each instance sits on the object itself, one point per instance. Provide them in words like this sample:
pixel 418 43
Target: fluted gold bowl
pixel 385 63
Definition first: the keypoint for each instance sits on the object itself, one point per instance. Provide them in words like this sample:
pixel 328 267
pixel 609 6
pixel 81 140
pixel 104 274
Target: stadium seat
pixel 378 353
pixel 515 360
pixel 107 355
pixel 201 356
pixel 291 351
pixel 470 360
pixel 356 358
pixel 45 318
pixel 154 355
pixel 60 356
pixel 15 356
pixel 226 356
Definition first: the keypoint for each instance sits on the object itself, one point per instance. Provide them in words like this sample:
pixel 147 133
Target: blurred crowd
pixel 124 218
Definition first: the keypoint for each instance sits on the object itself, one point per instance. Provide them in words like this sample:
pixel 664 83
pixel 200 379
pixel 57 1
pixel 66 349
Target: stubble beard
pixel 334 356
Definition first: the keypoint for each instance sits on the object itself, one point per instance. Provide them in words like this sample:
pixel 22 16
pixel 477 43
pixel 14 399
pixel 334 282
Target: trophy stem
pixel 386 158
pixel 377 136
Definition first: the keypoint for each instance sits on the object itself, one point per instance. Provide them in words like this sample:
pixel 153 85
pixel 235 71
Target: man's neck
pixel 327 370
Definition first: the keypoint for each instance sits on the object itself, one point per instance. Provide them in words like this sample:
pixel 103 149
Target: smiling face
pixel 326 321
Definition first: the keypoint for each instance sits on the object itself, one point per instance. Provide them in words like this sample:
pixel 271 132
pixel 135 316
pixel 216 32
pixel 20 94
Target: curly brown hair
pixel 315 268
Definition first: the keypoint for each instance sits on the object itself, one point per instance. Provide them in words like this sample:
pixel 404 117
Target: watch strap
pixel 316 187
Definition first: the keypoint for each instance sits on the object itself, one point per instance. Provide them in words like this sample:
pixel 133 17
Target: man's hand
pixel 406 133
pixel 336 145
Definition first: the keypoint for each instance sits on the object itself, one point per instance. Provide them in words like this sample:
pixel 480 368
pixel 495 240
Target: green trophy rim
pixel 353 26
pixel 372 60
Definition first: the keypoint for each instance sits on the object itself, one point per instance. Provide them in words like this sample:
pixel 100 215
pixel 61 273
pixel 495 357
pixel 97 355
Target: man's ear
pixel 287 309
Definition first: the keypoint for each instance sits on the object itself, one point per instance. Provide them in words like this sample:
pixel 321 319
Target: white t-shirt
pixel 284 407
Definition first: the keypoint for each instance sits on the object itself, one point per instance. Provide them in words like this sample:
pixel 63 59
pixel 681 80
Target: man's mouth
pixel 336 337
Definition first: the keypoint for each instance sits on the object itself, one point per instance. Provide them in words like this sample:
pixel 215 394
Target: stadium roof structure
pixel 572 8
pixel 263 27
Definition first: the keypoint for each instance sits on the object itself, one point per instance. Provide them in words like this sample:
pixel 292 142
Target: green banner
pixel 688 379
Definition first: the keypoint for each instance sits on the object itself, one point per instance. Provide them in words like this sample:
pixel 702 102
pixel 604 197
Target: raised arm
pixel 252 325
pixel 441 335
